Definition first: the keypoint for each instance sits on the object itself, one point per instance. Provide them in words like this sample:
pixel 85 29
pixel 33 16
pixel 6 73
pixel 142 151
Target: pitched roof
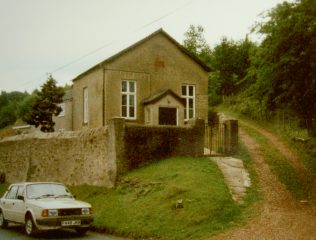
pixel 160 31
pixel 162 94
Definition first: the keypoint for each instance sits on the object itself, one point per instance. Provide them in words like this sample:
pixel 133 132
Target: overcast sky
pixel 67 37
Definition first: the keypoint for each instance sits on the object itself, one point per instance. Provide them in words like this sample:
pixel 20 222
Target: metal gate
pixel 215 138
pixel 222 138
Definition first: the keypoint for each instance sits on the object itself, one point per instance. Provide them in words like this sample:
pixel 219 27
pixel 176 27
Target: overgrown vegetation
pixel 176 198
pixel 277 75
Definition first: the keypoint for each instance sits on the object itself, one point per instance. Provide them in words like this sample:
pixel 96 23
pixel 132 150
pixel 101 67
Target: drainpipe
pixel 103 99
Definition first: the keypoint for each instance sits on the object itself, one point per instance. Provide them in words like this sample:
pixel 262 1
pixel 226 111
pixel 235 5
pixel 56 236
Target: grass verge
pixel 254 192
pixel 144 203
pixel 3 188
pixel 285 172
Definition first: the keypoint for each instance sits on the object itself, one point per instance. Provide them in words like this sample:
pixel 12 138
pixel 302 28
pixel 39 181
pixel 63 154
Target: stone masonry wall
pixel 71 157
pixel 95 156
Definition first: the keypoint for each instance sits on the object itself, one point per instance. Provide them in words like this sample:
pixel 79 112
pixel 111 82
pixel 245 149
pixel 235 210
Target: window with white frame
pixel 188 93
pixel 85 105
pixel 128 104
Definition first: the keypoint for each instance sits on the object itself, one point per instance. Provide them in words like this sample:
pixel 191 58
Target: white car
pixel 44 206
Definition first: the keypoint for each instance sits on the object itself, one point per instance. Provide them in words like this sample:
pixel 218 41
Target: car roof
pixel 30 183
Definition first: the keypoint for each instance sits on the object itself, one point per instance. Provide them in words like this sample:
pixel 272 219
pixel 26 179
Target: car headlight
pixel 50 213
pixel 86 211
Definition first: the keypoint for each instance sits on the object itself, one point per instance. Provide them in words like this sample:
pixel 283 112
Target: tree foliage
pixel 9 107
pixel 286 74
pixel 280 73
pixel 46 105
pixel 196 44
pixel 230 60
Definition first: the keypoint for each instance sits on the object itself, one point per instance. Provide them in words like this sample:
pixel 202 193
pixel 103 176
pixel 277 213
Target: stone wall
pixel 95 156
pixel 69 157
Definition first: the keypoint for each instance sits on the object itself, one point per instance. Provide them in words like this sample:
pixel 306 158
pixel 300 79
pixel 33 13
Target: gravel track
pixel 280 215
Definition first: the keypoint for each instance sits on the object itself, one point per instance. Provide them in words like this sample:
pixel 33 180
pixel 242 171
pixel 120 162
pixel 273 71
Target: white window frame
pixel 187 98
pixel 129 94
pixel 85 105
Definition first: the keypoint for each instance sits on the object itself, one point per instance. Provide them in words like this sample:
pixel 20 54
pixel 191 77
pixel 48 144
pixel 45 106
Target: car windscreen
pixel 42 190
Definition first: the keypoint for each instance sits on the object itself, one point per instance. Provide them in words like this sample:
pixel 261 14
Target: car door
pixel 8 203
pixel 18 211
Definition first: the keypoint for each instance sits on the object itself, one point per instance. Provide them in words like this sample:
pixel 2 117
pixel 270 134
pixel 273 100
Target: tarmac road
pixel 15 232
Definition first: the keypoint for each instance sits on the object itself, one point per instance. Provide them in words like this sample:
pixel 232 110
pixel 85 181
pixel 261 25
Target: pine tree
pixel 46 105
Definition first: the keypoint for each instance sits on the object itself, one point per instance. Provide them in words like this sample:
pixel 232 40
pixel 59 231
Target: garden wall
pixel 70 157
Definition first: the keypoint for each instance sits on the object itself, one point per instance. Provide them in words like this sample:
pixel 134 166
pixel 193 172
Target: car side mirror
pixel 20 197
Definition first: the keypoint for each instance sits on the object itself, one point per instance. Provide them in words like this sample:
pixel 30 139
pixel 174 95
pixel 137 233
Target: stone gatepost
pixel 116 141
pixel 230 136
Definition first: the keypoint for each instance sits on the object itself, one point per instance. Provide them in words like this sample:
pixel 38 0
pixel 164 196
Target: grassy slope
pixel 144 202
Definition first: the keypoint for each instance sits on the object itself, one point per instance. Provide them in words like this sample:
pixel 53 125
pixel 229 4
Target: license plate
pixel 71 223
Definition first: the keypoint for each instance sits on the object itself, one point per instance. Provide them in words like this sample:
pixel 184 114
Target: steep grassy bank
pixel 177 198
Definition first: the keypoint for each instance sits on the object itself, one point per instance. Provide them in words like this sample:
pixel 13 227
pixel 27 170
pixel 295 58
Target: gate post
pixel 231 136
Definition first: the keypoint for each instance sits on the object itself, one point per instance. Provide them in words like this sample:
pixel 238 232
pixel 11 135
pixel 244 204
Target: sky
pixel 66 37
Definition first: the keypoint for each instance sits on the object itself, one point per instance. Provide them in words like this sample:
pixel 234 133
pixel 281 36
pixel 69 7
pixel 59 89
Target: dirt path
pixel 308 178
pixel 280 216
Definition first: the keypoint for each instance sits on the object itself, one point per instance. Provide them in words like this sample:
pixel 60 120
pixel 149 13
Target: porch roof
pixel 156 97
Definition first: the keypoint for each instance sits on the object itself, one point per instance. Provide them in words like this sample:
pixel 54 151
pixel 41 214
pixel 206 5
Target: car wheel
pixel 82 231
pixel 3 222
pixel 30 227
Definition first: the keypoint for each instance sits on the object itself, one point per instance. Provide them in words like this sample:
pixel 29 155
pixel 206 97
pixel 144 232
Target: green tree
pixel 230 60
pixel 9 107
pixel 46 105
pixel 196 44
pixel 287 68
pixel 7 115
pixel 25 106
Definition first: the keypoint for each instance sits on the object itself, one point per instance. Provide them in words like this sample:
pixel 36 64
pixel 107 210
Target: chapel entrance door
pixel 167 116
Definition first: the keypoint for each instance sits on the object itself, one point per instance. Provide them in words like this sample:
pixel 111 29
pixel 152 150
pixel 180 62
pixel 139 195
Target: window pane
pixel 190 90
pixel 124 100
pixel 124 86
pixel 124 111
pixel 132 112
pixel 184 91
pixel 190 113
pixel 132 87
pixel 190 103
pixel 131 100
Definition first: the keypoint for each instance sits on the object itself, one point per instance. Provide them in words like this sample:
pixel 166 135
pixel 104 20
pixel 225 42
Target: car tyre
pixel 82 231
pixel 29 227
pixel 3 222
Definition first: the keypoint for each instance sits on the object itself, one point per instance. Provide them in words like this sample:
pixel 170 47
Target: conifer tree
pixel 46 105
